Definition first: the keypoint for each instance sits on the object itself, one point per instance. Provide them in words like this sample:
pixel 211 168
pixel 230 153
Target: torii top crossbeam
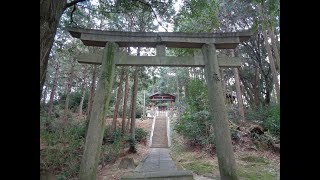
pixel 93 37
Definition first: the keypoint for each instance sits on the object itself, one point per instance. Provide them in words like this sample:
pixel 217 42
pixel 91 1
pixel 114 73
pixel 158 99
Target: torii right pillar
pixel 226 160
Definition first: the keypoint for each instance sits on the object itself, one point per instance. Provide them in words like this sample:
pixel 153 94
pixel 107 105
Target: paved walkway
pixel 159 164
pixel 158 160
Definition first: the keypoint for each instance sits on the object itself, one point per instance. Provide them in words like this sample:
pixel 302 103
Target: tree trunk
pixel 44 95
pixel 186 93
pixel 133 110
pixel 91 95
pixel 178 98
pixel 129 111
pixel 53 90
pixel 50 13
pixel 239 94
pixel 238 90
pixel 119 97
pixel 92 147
pixel 272 65
pixel 132 147
pixel 226 159
pixel 275 48
pixel 223 82
pixel 129 118
pixel 84 83
pixel 124 108
pixel 144 104
pixel 81 103
pixel 267 99
pixel 246 96
pixel 255 88
pixel 68 90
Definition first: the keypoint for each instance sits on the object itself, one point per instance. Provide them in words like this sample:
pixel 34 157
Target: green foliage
pixel 43 118
pixel 194 126
pixel 74 100
pixel 112 150
pixel 63 151
pixel 197 16
pixel 118 142
pixel 195 122
pixel 107 133
pixel 268 117
pixel 141 134
pixel 272 122
pixel 139 111
pixel 197 96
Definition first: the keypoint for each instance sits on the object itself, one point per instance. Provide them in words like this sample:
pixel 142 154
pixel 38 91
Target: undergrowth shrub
pixel 195 127
pixel 63 151
pixel 268 117
pixel 141 134
pixel 112 149
pixel 195 122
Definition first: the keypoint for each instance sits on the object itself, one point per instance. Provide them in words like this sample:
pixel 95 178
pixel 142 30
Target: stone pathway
pixel 158 160
pixel 159 164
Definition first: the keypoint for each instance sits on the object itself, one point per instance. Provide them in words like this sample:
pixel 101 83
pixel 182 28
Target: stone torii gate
pixel 111 57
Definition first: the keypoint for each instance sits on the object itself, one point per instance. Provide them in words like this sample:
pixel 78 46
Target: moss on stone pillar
pixel 92 149
pixel 226 160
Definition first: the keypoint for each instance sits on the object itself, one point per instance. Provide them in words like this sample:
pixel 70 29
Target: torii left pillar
pixel 92 149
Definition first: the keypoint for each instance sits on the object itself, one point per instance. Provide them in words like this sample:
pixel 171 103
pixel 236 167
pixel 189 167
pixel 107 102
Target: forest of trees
pixel 67 88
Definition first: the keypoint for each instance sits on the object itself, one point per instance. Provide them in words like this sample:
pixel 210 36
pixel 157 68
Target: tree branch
pixel 155 15
pixel 71 16
pixel 97 10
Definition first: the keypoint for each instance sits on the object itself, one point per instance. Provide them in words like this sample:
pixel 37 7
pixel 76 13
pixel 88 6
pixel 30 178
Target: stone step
pixel 159 135
pixel 169 175
pixel 153 143
pixel 159 144
pixel 160 140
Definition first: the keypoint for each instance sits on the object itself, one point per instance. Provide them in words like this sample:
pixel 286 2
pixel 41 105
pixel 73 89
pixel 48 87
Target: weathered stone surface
pixel 159 137
pixel 93 37
pixel 169 175
pixel 158 165
pixel 161 50
pixel 226 160
pixel 195 61
pixel 91 154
